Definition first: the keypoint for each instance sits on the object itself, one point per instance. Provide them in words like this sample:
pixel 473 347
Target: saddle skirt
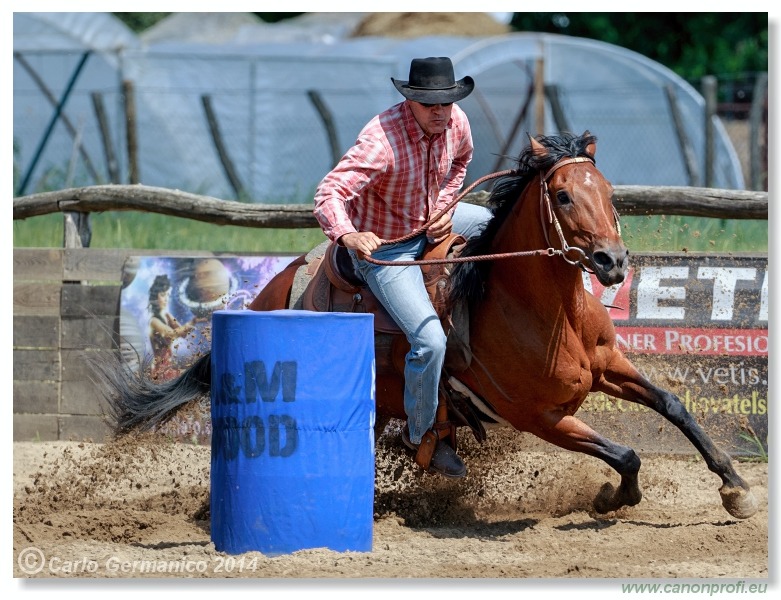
pixel 327 282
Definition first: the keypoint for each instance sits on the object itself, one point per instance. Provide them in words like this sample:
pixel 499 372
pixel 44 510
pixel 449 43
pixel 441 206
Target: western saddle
pixel 328 283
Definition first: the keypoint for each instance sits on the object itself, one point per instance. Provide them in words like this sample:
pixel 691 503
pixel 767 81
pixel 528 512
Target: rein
pixel 545 202
pixel 452 203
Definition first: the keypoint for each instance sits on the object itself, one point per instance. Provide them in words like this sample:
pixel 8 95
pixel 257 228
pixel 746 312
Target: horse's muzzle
pixel 610 264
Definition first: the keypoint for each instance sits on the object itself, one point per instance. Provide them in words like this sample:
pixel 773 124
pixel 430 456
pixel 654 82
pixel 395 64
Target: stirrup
pixel 435 457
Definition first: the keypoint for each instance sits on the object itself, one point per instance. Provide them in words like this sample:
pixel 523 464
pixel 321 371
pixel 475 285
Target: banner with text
pixel 696 325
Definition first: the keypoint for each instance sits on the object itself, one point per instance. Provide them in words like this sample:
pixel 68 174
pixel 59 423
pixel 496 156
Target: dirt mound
pixel 411 25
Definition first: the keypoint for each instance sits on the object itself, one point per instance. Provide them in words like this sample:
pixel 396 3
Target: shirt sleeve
pixel 464 150
pixel 362 166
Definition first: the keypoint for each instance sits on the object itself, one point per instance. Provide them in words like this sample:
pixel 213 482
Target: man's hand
pixel 363 242
pixel 440 229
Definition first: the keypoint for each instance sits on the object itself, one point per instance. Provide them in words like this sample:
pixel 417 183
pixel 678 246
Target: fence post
pixel 52 122
pixel 77 230
pixel 689 156
pixel 709 92
pixel 105 136
pixel 539 96
pixel 222 151
pixel 757 147
pixel 328 122
pixel 128 94
pixel 63 117
pixel 552 93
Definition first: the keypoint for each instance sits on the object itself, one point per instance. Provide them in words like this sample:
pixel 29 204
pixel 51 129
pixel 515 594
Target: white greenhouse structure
pixel 261 112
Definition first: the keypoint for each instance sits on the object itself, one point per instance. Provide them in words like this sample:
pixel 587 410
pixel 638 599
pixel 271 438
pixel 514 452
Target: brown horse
pixel 540 342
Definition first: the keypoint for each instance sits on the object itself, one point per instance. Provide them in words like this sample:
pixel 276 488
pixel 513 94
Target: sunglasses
pixel 443 104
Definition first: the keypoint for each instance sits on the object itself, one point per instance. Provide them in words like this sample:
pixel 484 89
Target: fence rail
pixel 629 200
pixel 67 300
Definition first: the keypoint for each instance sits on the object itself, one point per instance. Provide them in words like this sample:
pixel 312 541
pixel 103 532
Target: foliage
pixel 128 229
pixel 757 451
pixel 690 44
pixel 138 22
pixel 275 17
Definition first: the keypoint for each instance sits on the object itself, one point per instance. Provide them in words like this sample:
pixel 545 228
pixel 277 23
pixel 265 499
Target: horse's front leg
pixel 566 431
pixel 623 380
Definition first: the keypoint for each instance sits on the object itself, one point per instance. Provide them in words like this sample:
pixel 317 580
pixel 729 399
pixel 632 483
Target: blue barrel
pixel 292 407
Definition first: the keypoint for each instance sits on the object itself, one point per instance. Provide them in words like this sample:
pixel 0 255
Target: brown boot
pixel 443 461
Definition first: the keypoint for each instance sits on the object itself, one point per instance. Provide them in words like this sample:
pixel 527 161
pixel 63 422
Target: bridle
pixel 545 208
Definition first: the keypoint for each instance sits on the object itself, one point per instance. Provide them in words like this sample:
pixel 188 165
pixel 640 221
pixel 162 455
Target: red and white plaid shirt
pixel 395 177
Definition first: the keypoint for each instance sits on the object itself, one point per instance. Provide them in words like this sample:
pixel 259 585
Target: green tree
pixel 690 44
pixel 275 17
pixel 138 22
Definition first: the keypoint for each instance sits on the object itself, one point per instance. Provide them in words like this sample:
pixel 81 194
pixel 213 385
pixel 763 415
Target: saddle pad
pixel 304 275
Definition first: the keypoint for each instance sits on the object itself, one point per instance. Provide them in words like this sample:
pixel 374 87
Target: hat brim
pixel 458 92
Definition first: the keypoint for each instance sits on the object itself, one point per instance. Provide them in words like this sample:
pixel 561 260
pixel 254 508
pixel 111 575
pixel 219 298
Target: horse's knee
pixel 622 459
pixel 628 462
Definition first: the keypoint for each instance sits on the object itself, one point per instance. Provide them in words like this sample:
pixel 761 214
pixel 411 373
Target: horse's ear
pixel 537 147
pixel 591 149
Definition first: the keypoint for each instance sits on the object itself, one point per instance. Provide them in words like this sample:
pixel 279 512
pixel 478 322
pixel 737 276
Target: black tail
pixel 136 402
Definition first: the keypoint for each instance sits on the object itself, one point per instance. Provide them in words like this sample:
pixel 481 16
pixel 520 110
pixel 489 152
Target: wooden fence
pixel 629 200
pixel 66 301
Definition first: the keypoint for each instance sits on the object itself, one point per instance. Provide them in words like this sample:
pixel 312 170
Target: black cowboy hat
pixel 431 81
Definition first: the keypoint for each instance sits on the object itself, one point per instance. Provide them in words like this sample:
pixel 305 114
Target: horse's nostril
pixel 604 260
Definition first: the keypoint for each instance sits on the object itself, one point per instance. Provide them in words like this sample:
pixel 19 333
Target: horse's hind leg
pixel 624 381
pixel 571 433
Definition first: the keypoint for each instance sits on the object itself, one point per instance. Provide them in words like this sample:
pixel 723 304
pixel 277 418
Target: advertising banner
pixel 167 303
pixel 695 325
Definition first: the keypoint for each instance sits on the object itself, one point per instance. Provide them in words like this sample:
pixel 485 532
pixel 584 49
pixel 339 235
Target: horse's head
pixel 555 200
pixel 576 205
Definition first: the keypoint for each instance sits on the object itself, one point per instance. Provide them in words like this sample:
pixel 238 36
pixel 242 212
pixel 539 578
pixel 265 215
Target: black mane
pixel 468 278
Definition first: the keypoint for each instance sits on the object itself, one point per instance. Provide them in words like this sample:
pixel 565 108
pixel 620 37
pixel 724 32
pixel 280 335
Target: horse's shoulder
pixel 598 321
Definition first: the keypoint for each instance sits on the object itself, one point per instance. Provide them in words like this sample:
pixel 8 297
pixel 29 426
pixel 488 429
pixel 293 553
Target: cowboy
pixel 407 164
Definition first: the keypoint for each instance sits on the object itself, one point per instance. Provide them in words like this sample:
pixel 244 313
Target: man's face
pixel 432 118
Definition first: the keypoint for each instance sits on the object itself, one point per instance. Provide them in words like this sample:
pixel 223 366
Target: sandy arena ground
pixel 520 516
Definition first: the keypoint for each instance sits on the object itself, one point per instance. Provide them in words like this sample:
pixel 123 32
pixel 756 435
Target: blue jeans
pixel 402 293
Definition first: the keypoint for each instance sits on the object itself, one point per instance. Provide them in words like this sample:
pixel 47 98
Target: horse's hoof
pixel 604 502
pixel 739 502
pixel 609 498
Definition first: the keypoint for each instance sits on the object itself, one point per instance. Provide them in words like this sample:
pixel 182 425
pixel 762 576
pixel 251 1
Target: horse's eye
pixel 562 198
